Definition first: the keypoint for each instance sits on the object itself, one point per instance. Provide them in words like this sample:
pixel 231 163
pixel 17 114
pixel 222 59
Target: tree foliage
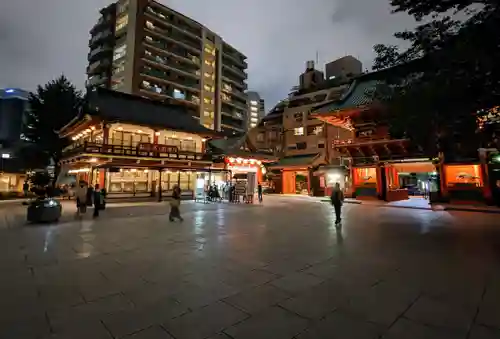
pixel 51 107
pixel 448 77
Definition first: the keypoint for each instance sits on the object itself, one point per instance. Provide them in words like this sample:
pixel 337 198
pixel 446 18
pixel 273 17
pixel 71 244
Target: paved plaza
pixel 278 270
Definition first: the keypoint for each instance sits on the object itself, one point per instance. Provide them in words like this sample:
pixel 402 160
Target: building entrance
pixel 410 180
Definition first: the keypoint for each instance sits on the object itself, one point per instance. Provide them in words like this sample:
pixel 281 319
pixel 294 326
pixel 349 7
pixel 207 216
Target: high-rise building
pixel 256 109
pixel 13 107
pixel 144 48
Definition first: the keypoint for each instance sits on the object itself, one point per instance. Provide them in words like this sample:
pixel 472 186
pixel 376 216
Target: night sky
pixel 40 39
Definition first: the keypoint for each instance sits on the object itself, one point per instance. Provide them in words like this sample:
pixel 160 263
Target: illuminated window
pixel 254 119
pixel 208 48
pixel 119 67
pixel 298 131
pixel 253 102
pixel 119 52
pixel 150 25
pixel 208 101
pixel 255 109
pixel 148 38
pixel 208 63
pixel 208 75
pixel 208 88
pixel 253 125
pixel 121 23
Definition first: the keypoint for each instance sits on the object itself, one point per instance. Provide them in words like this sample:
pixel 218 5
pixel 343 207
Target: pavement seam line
pixel 476 314
pixel 401 315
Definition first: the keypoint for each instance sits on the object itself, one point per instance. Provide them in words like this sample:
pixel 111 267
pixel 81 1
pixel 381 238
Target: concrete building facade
pixel 256 109
pixel 144 48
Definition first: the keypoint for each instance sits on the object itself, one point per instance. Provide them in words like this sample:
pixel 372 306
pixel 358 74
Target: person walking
pixel 337 199
pixel 259 192
pixel 175 212
pixel 97 197
pixel 81 198
pixel 26 188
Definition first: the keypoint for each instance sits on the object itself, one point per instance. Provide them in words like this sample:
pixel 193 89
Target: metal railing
pixel 141 150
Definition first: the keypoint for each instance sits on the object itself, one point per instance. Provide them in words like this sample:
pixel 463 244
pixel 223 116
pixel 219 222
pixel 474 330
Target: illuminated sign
pixel 147 147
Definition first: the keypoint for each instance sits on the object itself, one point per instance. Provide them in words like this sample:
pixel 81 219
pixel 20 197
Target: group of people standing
pixel 88 196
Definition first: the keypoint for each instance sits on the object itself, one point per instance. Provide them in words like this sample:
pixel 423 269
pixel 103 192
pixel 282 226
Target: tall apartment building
pixel 144 48
pixel 256 109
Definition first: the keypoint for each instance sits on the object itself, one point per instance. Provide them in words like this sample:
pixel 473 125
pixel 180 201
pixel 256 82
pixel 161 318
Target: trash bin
pixel 44 210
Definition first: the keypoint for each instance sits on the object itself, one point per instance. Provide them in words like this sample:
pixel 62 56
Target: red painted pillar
pixel 259 174
pixel 102 178
pixel 379 181
pixel 156 134
pixel 308 181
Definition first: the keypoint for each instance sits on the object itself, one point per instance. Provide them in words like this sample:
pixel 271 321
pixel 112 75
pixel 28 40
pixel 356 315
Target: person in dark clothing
pixel 337 199
pixel 175 212
pixel 259 192
pixel 90 195
pixel 26 188
pixel 103 201
pixel 97 198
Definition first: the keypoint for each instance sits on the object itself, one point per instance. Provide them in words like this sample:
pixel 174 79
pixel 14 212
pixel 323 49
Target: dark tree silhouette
pixel 51 107
pixel 448 78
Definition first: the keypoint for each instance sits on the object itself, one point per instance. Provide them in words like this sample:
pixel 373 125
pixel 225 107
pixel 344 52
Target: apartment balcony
pixel 158 77
pixel 97 66
pixel 152 15
pixel 235 104
pixel 239 84
pixel 99 51
pixel 96 80
pixel 159 10
pixel 235 128
pixel 162 34
pixel 102 24
pixel 235 59
pixel 151 92
pixel 234 115
pixel 235 71
pixel 160 48
pixel 236 93
pixel 100 37
pixel 169 67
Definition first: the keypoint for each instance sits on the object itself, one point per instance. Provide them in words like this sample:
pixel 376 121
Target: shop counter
pixel 366 192
pixel 466 194
pixel 397 194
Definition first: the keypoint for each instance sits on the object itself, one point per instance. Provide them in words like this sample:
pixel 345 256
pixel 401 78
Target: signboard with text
pixel 147 147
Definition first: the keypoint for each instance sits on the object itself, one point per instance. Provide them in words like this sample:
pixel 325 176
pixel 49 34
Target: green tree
pixel 447 78
pixel 51 107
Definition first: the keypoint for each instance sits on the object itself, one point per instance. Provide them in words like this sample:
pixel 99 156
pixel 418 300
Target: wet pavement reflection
pixel 277 270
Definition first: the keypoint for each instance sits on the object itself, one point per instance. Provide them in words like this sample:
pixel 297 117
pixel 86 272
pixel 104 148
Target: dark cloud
pixel 41 39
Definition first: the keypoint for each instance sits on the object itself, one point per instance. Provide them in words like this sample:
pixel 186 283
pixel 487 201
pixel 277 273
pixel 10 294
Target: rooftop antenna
pixel 317 57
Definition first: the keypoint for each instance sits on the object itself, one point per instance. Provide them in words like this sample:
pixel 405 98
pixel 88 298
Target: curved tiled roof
pixel 360 93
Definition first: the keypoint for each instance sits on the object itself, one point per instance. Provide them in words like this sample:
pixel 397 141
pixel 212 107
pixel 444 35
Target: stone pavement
pixel 280 270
